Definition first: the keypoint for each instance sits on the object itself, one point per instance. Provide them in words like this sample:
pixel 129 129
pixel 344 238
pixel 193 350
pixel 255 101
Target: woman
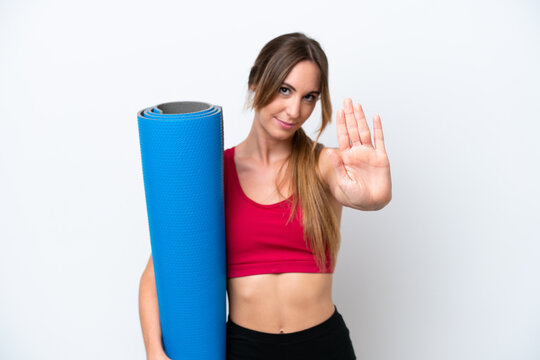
pixel 283 197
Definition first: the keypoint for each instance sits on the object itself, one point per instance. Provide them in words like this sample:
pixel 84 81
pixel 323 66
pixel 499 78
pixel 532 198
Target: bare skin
pixel 149 314
pixel 287 302
pixel 276 303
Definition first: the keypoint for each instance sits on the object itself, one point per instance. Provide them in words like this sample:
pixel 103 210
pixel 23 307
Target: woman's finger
pixel 363 127
pixel 352 124
pixel 341 130
pixel 378 135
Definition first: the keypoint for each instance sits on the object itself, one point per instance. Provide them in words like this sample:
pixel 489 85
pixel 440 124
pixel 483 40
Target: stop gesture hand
pixel 362 168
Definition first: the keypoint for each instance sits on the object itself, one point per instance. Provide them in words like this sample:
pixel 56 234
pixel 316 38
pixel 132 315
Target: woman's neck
pixel 262 148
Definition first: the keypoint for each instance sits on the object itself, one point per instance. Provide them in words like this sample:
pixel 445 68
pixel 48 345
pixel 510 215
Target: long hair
pixel 273 64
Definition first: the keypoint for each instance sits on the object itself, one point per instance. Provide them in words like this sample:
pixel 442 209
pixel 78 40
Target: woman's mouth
pixel 284 124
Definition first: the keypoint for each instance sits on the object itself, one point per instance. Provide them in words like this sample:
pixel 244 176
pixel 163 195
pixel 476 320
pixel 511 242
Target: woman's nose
pixel 293 108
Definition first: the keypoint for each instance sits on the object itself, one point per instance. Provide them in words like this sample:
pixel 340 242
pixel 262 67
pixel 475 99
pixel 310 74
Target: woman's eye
pixel 286 91
pixel 283 90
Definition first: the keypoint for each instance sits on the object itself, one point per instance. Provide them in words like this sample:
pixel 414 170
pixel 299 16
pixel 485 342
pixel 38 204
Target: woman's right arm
pixel 149 314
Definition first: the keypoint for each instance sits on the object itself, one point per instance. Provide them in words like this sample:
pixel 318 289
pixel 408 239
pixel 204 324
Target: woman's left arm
pixel 359 174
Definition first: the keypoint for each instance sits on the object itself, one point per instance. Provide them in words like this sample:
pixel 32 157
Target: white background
pixel 448 270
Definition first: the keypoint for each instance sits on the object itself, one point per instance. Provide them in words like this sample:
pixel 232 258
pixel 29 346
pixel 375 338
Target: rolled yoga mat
pixel 182 160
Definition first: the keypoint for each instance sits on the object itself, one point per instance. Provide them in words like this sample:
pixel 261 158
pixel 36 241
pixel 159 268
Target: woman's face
pixel 294 102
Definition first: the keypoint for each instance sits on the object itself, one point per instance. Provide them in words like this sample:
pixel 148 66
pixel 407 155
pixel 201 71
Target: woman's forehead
pixel 304 77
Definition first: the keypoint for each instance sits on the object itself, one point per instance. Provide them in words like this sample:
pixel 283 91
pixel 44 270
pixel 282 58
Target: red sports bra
pixel 258 239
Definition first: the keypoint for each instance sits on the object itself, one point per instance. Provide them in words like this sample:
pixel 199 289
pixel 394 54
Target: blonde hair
pixel 273 64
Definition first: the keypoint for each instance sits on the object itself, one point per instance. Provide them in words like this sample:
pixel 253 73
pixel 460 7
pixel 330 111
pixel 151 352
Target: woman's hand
pixel 363 170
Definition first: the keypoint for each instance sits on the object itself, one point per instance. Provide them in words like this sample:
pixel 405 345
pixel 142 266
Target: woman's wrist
pixel 155 353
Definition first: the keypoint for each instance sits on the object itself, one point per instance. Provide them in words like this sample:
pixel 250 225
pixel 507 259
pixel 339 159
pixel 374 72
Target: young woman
pixel 283 199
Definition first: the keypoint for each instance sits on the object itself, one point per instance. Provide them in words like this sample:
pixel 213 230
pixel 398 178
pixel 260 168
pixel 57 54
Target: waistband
pixel 326 326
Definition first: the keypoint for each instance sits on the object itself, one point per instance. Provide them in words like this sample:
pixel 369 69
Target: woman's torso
pixel 276 303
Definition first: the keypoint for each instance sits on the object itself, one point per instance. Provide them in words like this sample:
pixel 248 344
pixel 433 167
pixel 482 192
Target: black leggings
pixel 327 340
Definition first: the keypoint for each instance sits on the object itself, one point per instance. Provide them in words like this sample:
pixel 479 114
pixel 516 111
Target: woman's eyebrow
pixel 292 87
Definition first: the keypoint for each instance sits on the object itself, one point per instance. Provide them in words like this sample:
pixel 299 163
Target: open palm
pixel 362 169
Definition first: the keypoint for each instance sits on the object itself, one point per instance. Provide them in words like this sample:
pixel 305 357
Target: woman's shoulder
pixel 327 171
pixel 325 166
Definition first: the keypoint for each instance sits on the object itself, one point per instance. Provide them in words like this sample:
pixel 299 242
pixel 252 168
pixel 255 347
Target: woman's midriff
pixel 280 303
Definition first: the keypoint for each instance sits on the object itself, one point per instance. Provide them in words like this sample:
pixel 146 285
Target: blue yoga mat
pixel 182 160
